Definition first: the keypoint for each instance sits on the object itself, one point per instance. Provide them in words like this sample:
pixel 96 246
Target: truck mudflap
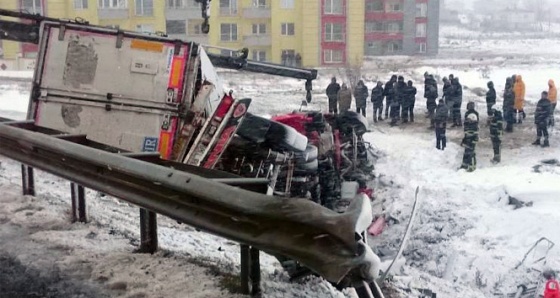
pixel 217 132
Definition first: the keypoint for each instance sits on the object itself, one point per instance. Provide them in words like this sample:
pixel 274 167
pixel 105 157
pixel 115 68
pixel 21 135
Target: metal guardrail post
pixel 27 180
pixel 78 203
pixel 245 268
pixel 148 231
pixel 255 273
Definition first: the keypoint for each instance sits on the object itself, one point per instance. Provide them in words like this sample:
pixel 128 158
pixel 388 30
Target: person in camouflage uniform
pixel 496 131
pixel 469 142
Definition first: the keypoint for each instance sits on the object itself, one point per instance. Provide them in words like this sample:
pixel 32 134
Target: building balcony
pixel 256 13
pixel 182 13
pixel 257 40
pixel 371 36
pixel 384 16
pixel 228 11
pixel 112 13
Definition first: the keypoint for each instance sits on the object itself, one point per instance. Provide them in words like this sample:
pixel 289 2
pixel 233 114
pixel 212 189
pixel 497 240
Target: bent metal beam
pixel 319 238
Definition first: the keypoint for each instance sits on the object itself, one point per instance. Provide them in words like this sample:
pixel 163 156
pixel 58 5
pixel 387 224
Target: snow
pixel 466 241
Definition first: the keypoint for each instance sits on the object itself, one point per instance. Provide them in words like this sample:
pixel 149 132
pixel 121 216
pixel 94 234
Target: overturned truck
pixel 149 93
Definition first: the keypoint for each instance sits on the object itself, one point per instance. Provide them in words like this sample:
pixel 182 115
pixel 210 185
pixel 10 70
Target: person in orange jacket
pixel 551 288
pixel 553 98
pixel 519 90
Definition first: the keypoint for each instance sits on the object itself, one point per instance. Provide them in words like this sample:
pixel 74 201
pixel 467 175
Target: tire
pixel 309 167
pixel 254 128
pixel 285 138
pixel 351 120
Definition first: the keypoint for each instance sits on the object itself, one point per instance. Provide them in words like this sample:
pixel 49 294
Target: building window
pixel 259 3
pixel 228 32
pixel 259 29
pixel 421 10
pixel 80 4
pixel 145 28
pixel 395 6
pixel 287 4
pixel 144 8
pixel 288 29
pixel 175 27
pixel 32 6
pixel 226 53
pixel 334 32
pixel 422 48
pixel 394 27
pixel 182 4
pixel 113 4
pixel 334 7
pixel 194 28
pixel 393 47
pixel 228 7
pixel 374 27
pixel 375 6
pixel 421 30
pixel 259 55
pixel 333 56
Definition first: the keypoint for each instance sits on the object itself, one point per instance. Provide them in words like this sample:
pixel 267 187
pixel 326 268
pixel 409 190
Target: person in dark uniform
pixel 360 96
pixel 509 105
pixel 542 116
pixel 440 121
pixel 332 94
pixel 490 98
pixel 377 100
pixel 496 131
pixel 409 99
pixel 457 95
pixel 389 94
pixel 471 110
pixel 469 143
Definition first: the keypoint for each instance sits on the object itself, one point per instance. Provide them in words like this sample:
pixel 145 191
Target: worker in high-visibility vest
pixel 551 289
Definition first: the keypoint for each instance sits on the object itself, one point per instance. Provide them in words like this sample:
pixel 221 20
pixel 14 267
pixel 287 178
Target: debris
pixel 518 203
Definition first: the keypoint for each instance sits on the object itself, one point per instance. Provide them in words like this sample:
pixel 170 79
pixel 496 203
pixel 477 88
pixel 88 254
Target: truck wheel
pixel 285 137
pixel 310 153
pixel 309 167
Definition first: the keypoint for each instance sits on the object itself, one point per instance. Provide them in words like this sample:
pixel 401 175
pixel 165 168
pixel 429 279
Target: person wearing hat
pixel 542 116
pixel 332 94
pixel 469 142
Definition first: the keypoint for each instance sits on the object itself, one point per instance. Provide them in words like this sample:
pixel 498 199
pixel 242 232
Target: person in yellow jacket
pixel 519 90
pixel 553 98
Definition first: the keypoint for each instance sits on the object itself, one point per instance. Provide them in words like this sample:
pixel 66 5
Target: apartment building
pixel 183 20
pixel 325 32
pixel 401 27
pixel 138 15
pixel 307 33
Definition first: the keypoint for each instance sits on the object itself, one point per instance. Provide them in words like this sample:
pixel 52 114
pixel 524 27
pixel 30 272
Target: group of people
pixel 400 98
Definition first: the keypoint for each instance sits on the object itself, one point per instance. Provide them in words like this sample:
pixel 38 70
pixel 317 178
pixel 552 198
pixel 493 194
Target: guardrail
pixel 212 201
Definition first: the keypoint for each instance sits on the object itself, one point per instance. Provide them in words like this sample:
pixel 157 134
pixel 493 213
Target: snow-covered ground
pixel 466 242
